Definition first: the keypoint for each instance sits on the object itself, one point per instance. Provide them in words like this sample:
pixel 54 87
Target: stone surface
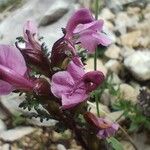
pixel 131 39
pixel 123 21
pixel 34 10
pixel 61 147
pixel 2 126
pixel 139 64
pixel 12 101
pixel 16 133
pixel 114 66
pixel 113 52
pixel 5 147
pixel 128 92
pixel 90 65
pixel 127 145
pixel 57 10
pixel 107 14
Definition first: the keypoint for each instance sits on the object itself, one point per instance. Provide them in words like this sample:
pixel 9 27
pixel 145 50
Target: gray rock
pixel 16 133
pixel 61 147
pixel 12 101
pixel 117 5
pixel 113 52
pixel 55 12
pixel 11 27
pixel 2 126
pixel 139 65
pixel 114 66
pixel 5 147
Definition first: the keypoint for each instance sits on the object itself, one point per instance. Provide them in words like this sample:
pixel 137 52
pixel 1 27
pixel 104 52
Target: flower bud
pixel 34 56
pixel 62 51
pixel 42 87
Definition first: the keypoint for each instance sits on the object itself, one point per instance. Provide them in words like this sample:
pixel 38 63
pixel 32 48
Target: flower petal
pixel 62 83
pixel 81 16
pixel 12 58
pixel 29 25
pixel 94 25
pixel 88 41
pixel 75 71
pixel 5 88
pixel 73 99
pixel 102 39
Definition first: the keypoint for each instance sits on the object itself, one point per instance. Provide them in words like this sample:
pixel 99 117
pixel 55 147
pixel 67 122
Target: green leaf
pixel 115 143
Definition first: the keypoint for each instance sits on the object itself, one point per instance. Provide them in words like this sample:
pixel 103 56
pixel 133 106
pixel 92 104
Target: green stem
pixel 95 55
pixel 97 105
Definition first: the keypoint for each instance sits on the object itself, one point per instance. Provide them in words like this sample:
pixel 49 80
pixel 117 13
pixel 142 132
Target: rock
pixel 114 79
pixel 16 133
pixel 114 116
pixel 57 10
pixel 117 5
pixel 61 147
pixel 127 145
pixel 139 65
pixel 106 98
pixel 133 10
pixel 128 92
pixel 100 66
pixel 126 51
pixel 113 52
pixel 34 10
pixel 5 147
pixel 102 108
pixel 114 66
pixel 131 39
pixel 56 136
pixel 106 14
pixel 123 21
pixel 12 101
pixel 2 126
pixel 141 140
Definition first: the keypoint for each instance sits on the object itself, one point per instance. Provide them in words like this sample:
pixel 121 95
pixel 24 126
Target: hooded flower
pixel 12 70
pixel 83 28
pixel 62 51
pixel 73 85
pixel 33 54
pixel 104 128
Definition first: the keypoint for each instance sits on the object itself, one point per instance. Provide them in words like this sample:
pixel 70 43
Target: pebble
pixel 2 126
pixel 139 64
pixel 113 52
pixel 57 10
pixel 114 66
pixel 100 66
pixel 61 147
pixel 16 133
pixel 128 92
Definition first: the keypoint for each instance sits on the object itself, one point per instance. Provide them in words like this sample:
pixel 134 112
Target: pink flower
pixel 12 70
pixel 74 85
pixel 33 54
pixel 103 127
pixel 83 28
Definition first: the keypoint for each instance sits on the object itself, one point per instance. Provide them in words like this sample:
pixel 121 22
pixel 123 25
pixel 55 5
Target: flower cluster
pixel 66 78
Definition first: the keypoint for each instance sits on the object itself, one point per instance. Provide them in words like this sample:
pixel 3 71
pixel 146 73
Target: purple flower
pixel 62 51
pixel 103 127
pixel 83 28
pixel 107 128
pixel 33 54
pixel 73 85
pixel 12 71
